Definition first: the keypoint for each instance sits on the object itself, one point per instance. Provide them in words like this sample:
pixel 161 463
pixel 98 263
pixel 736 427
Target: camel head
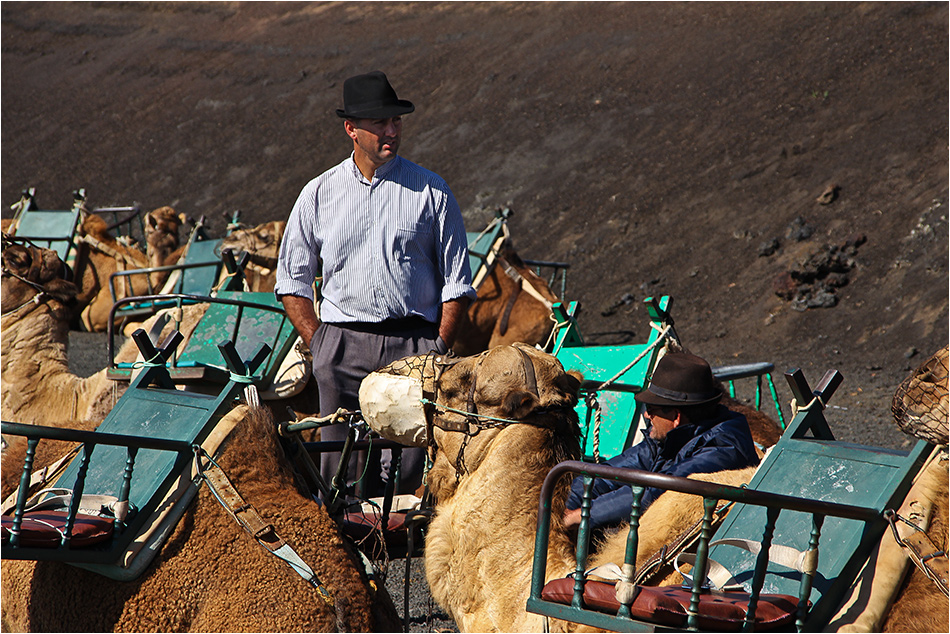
pixel 262 242
pixel 37 274
pixel 920 405
pixel 514 387
pixel 161 229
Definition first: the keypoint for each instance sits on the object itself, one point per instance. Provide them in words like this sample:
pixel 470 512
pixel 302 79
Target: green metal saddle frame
pixel 483 247
pixel 50 229
pixel 246 319
pixel 137 454
pixel 810 491
pixel 609 377
pixel 196 274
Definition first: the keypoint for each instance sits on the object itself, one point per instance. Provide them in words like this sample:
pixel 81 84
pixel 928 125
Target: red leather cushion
pixel 722 611
pixel 43 529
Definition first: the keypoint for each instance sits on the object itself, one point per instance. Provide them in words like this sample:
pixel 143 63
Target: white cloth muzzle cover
pixel 392 406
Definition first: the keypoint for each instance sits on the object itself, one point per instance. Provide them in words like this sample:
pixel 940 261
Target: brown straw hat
pixel 681 379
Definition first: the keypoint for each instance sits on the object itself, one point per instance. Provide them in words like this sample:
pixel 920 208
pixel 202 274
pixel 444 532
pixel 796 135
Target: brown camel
pixel 210 575
pixel 479 574
pixel 100 255
pixel 513 305
pixel 262 243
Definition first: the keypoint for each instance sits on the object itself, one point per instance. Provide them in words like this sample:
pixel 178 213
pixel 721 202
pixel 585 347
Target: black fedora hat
pixel 370 96
pixel 681 379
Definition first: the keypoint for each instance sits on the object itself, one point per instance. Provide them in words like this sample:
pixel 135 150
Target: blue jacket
pixel 721 443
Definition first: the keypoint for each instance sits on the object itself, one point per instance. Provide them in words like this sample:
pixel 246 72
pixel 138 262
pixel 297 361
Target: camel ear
pixel 152 223
pixel 518 404
pixel 61 290
pixel 571 382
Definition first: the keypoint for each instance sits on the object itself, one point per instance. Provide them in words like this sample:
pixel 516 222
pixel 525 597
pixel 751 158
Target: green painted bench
pixel 483 247
pixel 50 229
pixel 823 499
pixel 197 274
pixel 613 375
pixel 246 319
pixel 136 455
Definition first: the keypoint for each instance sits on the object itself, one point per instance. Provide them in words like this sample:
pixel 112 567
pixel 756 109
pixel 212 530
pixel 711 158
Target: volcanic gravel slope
pixel 780 170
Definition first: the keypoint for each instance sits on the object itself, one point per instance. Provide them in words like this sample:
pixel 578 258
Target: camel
pixel 37 386
pixel 920 408
pixel 513 305
pixel 487 473
pixel 210 575
pixel 262 243
pixel 100 255
pixel 477 573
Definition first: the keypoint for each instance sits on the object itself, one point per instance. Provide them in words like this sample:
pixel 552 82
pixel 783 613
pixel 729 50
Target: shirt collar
pixel 381 172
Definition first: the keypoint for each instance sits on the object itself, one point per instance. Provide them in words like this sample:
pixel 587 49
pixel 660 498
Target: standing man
pixel 388 238
pixel 690 432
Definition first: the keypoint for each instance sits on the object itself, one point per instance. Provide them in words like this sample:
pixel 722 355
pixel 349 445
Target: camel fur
pixel 485 324
pixel 479 573
pixel 920 408
pixel 36 386
pixel 100 255
pixel 211 576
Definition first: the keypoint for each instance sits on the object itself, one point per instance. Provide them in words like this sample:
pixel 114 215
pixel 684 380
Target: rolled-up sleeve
pixel 454 264
pixel 298 263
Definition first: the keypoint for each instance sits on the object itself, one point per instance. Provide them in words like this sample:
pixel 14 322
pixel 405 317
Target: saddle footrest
pixel 45 529
pixel 718 611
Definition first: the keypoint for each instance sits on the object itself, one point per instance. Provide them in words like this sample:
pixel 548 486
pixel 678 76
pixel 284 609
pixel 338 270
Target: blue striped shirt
pixel 391 248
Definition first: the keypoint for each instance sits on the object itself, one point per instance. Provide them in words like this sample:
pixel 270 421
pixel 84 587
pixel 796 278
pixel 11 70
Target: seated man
pixel 690 432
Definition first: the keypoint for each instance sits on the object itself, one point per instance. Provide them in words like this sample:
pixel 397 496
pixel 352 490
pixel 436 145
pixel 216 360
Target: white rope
pixel 804 408
pixel 662 336
pixel 598 419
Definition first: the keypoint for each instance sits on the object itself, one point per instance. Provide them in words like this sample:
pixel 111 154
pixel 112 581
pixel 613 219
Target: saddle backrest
pixel 616 400
pixel 50 229
pixel 807 462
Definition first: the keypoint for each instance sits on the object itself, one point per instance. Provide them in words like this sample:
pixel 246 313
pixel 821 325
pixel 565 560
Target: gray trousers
pixel 343 354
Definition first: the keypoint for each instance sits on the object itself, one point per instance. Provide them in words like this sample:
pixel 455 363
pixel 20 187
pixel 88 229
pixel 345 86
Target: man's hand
pixel 302 315
pixel 572 518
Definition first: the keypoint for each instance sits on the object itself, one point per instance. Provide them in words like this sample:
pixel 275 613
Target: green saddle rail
pixel 246 319
pixel 615 402
pixel 50 229
pixel 483 246
pixel 136 455
pixel 822 498
pixel 613 375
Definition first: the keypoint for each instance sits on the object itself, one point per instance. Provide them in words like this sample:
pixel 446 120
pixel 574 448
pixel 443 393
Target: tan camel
pixel 211 576
pixel 513 305
pixel 262 243
pixel 37 386
pixel 920 408
pixel 478 572
pixel 100 255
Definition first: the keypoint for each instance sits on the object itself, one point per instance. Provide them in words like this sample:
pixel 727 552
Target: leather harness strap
pixel 921 550
pixel 248 517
